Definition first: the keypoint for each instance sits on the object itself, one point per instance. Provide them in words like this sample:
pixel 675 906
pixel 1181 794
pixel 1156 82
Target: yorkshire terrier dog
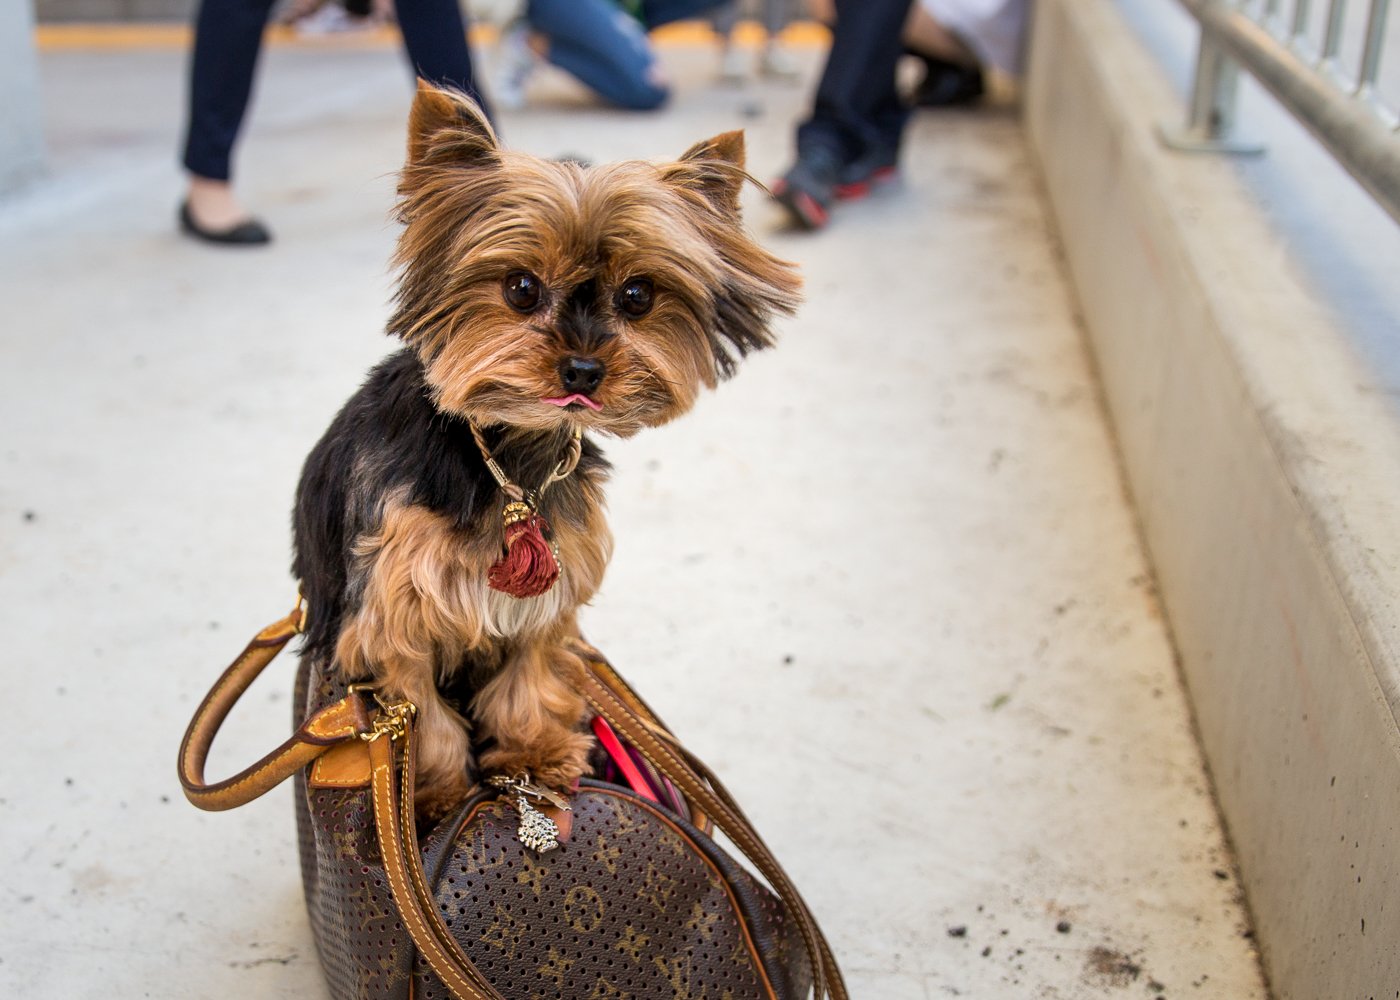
pixel 450 522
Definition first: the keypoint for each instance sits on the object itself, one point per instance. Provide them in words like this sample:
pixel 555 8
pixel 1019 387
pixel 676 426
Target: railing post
pixel 1372 49
pixel 1210 119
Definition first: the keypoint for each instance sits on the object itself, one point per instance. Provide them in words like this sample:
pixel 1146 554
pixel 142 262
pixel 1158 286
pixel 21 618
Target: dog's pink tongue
pixel 577 397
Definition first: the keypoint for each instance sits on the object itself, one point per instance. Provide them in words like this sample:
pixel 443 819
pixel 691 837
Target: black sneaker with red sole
pixel 859 177
pixel 809 187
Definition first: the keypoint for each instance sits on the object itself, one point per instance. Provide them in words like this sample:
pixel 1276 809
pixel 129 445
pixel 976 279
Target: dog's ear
pixel 446 128
pixel 753 284
pixel 715 169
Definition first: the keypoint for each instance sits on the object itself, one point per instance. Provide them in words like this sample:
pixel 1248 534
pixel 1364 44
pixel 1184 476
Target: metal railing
pixel 1344 111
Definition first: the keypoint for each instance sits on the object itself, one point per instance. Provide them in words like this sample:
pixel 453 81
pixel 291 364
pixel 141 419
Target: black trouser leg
pixel 435 35
pixel 227 38
pixel 857 107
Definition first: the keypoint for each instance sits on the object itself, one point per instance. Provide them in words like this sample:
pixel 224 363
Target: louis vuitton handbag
pixel 639 903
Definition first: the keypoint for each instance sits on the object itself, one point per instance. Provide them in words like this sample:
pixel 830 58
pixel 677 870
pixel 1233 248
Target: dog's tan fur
pixel 426 606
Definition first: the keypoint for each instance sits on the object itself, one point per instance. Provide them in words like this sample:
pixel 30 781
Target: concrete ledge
pixel 1266 481
pixel 21 132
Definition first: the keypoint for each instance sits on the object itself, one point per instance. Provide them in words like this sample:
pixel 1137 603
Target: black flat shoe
pixel 948 85
pixel 248 234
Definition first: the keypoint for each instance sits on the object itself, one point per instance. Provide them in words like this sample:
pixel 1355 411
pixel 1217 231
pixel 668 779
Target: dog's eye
pixel 636 297
pixel 521 290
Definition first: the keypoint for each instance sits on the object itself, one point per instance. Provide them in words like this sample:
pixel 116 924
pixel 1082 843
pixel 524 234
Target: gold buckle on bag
pixel 392 720
pixel 300 612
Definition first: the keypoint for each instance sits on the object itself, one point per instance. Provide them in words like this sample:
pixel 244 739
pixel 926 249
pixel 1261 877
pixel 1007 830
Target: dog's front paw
pixel 439 795
pixel 558 765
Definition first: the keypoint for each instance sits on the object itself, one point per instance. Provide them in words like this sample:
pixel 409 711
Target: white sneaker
pixel 515 61
pixel 330 19
pixel 731 65
pixel 779 63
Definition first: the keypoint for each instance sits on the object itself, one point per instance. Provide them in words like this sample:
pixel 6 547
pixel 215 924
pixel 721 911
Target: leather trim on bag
pixel 344 766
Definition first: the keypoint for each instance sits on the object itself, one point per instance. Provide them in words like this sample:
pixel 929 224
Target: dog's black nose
pixel 581 374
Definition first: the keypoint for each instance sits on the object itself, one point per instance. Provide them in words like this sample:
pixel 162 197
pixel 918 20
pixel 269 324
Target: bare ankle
pixel 213 203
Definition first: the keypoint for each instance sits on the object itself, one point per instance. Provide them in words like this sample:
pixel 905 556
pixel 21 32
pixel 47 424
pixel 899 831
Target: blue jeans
pixel 607 49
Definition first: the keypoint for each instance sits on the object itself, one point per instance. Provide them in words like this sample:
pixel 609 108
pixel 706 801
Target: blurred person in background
pixel 773 59
pixel 328 17
pixel 852 138
pixel 958 41
pixel 227 40
pixel 852 135
pixel 601 43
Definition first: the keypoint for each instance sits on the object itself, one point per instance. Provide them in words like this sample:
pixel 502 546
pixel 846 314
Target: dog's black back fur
pixel 390 440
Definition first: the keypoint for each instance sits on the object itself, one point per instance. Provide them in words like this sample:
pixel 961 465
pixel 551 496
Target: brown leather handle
pixel 344 720
pixel 403 869
pixel 612 698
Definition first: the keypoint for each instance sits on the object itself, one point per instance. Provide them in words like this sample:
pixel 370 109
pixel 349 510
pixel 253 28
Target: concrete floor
pixel 886 581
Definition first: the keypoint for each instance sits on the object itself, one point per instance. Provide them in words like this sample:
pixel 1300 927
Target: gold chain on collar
pixel 563 470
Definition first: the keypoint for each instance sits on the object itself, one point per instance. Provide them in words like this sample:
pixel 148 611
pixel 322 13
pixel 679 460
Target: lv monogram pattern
pixel 623 911
pixel 631 908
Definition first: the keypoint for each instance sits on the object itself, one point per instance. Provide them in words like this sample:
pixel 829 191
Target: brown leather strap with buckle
pixel 392 796
pixel 345 720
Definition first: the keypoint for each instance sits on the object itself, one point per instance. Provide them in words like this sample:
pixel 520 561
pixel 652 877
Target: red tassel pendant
pixel 529 566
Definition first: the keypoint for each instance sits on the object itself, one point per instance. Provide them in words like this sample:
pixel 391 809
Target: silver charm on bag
pixel 536 830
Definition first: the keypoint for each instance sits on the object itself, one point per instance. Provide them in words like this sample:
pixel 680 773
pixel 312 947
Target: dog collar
pixel 529 565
